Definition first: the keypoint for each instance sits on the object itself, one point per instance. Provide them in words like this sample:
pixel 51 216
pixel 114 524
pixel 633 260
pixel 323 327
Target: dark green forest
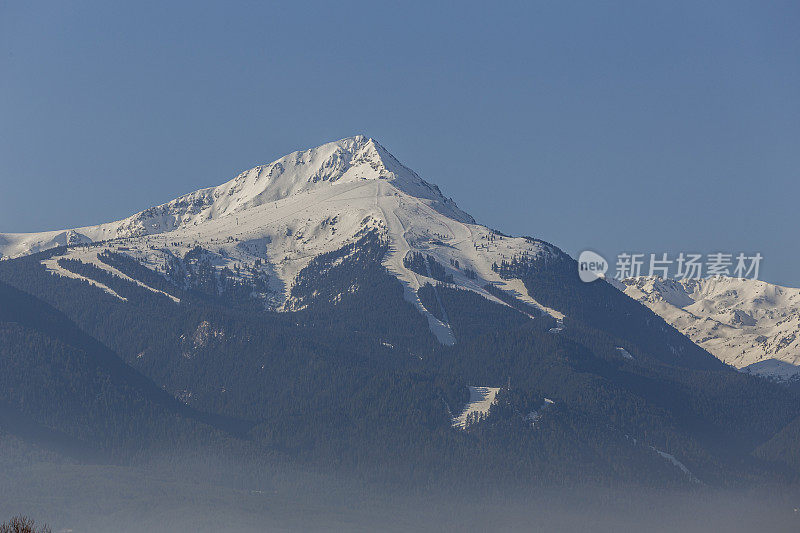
pixel 352 379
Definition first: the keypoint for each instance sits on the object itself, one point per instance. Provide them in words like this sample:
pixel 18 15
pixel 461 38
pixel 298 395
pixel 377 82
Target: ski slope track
pixel 276 218
pixel 52 266
pixel 481 400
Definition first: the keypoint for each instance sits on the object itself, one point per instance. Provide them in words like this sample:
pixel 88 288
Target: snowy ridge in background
pixel 749 324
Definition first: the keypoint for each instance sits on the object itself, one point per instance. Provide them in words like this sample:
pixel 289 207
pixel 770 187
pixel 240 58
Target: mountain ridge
pixel 750 324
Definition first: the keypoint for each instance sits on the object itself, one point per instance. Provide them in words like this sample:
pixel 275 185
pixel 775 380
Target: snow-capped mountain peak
pixel 350 160
pixel 279 216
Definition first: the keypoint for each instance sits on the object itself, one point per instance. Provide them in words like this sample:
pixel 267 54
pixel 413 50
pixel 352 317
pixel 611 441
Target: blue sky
pixel 613 126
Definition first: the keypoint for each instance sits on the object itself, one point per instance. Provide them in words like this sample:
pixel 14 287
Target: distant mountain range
pixel 750 324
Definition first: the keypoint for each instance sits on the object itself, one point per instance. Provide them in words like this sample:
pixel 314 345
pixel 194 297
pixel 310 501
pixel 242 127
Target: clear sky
pixel 638 126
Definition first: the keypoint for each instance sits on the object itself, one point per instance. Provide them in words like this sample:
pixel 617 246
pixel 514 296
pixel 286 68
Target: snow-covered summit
pixel 279 216
pixel 348 160
pixel 750 324
pixel 351 160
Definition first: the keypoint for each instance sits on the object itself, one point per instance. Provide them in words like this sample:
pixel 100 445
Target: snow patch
pixel 678 464
pixel 558 328
pixel 534 416
pixel 623 352
pixel 773 369
pixel 480 400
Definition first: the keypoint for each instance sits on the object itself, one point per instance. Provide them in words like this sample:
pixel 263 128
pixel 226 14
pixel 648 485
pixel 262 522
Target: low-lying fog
pixel 198 495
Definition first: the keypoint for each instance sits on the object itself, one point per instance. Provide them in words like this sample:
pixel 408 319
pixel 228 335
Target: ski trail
pixel 398 249
pixel 464 240
pixel 92 259
pixel 480 400
pixel 53 267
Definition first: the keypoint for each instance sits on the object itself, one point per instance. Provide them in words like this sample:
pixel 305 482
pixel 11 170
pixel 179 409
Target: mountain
pixel 749 324
pixel 349 316
pixel 270 221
